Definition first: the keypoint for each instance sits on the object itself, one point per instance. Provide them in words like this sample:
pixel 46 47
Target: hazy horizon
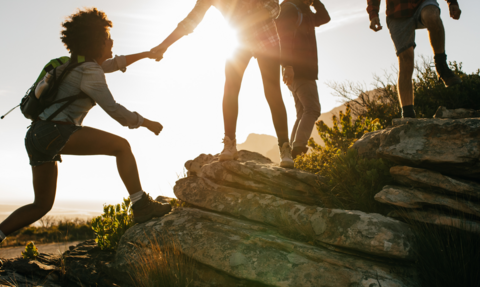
pixel 184 91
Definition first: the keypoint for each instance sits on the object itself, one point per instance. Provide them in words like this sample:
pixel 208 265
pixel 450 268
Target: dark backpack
pixel 36 101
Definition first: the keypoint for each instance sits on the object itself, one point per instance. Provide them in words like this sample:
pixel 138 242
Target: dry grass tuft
pixel 162 263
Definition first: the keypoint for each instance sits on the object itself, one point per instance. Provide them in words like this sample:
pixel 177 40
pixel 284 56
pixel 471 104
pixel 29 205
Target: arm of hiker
pixel 373 8
pixel 455 11
pixel 321 13
pixel 286 27
pixel 184 28
pixel 122 62
pixel 94 85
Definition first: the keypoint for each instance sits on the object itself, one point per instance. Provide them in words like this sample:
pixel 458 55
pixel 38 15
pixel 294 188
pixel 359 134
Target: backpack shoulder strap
pixel 67 100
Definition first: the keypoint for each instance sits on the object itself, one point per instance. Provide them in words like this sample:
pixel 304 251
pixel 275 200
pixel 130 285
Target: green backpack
pixel 43 92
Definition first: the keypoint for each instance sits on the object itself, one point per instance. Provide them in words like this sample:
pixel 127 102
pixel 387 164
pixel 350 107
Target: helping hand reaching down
pixel 157 52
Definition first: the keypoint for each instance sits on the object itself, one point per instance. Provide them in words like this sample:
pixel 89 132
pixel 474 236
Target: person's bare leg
pixel 234 71
pixel 436 31
pixel 270 69
pixel 90 141
pixel 44 186
pixel 431 19
pixel 405 73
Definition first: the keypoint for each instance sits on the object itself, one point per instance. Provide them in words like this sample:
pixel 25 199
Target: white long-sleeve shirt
pixel 90 79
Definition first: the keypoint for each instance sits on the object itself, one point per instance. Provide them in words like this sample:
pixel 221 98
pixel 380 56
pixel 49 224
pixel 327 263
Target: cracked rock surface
pixel 257 224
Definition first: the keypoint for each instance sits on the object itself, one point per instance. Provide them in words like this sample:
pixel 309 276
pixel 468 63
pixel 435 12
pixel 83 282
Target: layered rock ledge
pixel 256 223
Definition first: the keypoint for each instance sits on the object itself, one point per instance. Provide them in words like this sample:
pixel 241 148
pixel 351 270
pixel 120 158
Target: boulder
pixel 256 253
pixel 88 265
pixel 449 146
pixel 435 217
pixel 444 113
pixel 368 144
pixel 418 177
pixel 255 172
pixel 417 198
pixel 354 230
pixel 83 265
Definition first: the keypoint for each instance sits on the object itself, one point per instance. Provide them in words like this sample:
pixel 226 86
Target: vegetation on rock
pixel 446 256
pixel 31 251
pixel 112 224
pixel 162 263
pixel 351 180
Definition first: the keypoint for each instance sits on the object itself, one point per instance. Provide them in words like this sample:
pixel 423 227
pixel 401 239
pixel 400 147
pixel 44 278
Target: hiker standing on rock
pixel 403 18
pixel 254 20
pixel 86 35
pixel 296 28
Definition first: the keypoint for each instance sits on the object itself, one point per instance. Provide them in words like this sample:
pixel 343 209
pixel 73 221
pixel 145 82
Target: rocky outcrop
pixel 449 146
pixel 439 218
pixel 369 233
pixel 416 198
pixel 83 265
pixel 439 167
pixel 254 222
pixel 418 177
pixel 444 113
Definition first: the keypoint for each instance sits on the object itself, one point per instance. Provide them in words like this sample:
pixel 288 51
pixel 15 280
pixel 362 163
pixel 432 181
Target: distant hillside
pixel 268 146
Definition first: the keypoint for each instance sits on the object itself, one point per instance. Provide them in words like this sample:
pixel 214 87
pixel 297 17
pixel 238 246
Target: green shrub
pixel 349 182
pixel 430 93
pixel 352 182
pixel 338 139
pixel 112 224
pixel 31 251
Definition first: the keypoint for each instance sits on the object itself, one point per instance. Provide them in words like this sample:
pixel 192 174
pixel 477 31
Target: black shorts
pixel 45 140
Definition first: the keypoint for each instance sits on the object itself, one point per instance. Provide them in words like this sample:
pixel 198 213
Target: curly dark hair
pixel 85 32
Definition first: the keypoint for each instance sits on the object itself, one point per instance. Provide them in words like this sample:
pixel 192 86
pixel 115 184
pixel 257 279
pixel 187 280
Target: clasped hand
pixel 157 52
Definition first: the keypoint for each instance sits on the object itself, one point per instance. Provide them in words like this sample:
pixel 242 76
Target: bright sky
pixel 184 91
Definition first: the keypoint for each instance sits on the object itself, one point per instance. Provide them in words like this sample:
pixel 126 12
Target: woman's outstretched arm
pixel 184 28
pixel 122 62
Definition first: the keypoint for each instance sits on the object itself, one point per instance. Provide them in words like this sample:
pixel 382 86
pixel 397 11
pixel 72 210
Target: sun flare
pixel 216 31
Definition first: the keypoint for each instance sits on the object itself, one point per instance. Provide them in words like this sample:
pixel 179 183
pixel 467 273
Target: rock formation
pixel 439 167
pixel 253 222
pixel 82 265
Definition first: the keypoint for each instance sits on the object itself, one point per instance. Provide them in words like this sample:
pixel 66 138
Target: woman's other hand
pixel 154 127
pixel 288 75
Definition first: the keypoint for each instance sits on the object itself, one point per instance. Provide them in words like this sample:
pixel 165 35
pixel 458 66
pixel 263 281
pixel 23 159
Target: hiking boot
pixel 147 208
pixel 444 72
pixel 230 150
pixel 298 151
pixel 286 160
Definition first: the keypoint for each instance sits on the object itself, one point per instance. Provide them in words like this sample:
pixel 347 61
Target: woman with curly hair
pixel 86 35
pixel 254 20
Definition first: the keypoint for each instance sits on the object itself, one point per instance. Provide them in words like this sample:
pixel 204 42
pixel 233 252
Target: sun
pixel 219 35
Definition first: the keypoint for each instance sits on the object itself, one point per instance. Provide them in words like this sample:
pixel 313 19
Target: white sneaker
pixel 230 150
pixel 286 156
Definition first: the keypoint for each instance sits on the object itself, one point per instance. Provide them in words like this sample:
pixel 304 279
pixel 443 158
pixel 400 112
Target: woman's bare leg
pixel 270 69
pixel 234 71
pixel 90 141
pixel 44 186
